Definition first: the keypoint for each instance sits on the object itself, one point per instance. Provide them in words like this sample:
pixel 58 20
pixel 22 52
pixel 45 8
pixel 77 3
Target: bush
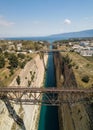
pixel 85 79
pixel 2 62
pixel 13 61
pixel 20 55
pixel 22 64
pixel 76 67
pixel 67 60
pixel 11 71
pixel 6 54
pixel 18 80
pixel 29 83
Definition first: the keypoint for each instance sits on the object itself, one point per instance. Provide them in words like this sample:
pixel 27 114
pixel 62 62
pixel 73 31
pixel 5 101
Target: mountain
pixel 55 37
pixel 80 34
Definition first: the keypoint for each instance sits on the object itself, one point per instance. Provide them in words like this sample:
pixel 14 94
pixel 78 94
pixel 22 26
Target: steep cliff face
pixel 71 116
pixel 28 114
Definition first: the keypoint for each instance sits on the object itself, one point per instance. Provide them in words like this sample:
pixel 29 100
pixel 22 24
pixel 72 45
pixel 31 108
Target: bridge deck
pixel 46 96
pixel 50 89
pixel 51 51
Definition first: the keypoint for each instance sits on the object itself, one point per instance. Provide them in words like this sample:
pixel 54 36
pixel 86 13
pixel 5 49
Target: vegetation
pixel 2 61
pixel 29 83
pixel 18 80
pixel 89 58
pixel 1 84
pixel 82 68
pixel 22 64
pixel 11 71
pixel 21 56
pixel 13 61
pixel 30 45
pixel 85 79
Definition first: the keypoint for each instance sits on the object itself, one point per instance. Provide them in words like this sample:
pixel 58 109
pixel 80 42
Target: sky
pixel 44 17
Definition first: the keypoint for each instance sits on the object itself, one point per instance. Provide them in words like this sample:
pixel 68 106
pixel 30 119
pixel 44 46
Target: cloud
pixel 5 23
pixel 67 21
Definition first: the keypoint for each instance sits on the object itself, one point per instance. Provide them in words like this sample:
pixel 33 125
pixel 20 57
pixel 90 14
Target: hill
pixel 80 34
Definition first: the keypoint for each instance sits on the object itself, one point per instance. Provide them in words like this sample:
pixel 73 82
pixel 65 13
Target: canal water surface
pixel 49 114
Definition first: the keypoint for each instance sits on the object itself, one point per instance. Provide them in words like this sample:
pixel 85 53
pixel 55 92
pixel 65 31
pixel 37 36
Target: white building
pixel 86 52
pixel 84 43
pixel 19 46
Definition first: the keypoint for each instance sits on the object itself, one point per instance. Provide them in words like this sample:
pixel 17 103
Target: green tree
pixel 13 61
pixel 18 80
pixel 22 64
pixel 85 78
pixel 2 61
pixel 21 56
pixel 6 54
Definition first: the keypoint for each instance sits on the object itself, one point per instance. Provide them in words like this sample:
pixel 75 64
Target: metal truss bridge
pixel 49 51
pixel 47 96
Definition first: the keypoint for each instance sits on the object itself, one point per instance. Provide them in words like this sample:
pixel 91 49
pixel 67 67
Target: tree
pixel 22 64
pixel 13 61
pixel 18 80
pixel 21 56
pixel 85 79
pixel 2 61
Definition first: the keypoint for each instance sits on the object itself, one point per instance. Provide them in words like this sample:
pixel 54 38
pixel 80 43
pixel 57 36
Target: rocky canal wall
pixel 23 117
pixel 71 116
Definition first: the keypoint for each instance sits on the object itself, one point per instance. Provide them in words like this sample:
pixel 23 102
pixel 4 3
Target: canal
pixel 49 114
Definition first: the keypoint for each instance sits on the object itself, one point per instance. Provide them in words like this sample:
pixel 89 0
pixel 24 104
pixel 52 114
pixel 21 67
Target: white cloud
pixel 5 23
pixel 67 21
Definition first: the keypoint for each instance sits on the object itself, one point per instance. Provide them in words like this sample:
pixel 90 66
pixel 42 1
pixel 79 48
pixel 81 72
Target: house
pixel 19 46
pixel 83 43
pixel 70 44
pixel 11 47
pixel 86 52
pixel 30 51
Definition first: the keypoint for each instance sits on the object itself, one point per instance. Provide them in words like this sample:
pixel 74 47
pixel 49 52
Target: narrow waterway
pixel 49 114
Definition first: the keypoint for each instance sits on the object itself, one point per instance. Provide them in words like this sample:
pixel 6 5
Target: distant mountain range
pixel 55 37
pixel 80 34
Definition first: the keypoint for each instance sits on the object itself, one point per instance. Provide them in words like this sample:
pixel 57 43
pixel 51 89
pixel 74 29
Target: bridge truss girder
pixel 51 96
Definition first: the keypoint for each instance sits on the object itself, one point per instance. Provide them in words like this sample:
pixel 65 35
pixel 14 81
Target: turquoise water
pixel 49 114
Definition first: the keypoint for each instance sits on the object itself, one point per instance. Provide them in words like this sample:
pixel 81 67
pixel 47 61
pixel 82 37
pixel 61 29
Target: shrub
pixel 29 83
pixel 22 56
pixel 18 80
pixel 67 60
pixel 22 64
pixel 5 76
pixel 13 61
pixel 69 66
pixel 2 62
pixel 76 67
pixel 85 79
pixel 11 71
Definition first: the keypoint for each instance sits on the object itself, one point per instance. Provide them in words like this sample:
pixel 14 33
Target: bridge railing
pixel 46 96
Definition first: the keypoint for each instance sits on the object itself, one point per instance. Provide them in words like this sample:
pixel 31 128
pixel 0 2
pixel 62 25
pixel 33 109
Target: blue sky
pixel 44 17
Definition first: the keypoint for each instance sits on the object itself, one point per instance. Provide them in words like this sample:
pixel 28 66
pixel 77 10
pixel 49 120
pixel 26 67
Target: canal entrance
pixel 49 114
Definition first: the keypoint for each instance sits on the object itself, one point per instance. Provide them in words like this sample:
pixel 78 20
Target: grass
pixel 14 126
pixel 89 58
